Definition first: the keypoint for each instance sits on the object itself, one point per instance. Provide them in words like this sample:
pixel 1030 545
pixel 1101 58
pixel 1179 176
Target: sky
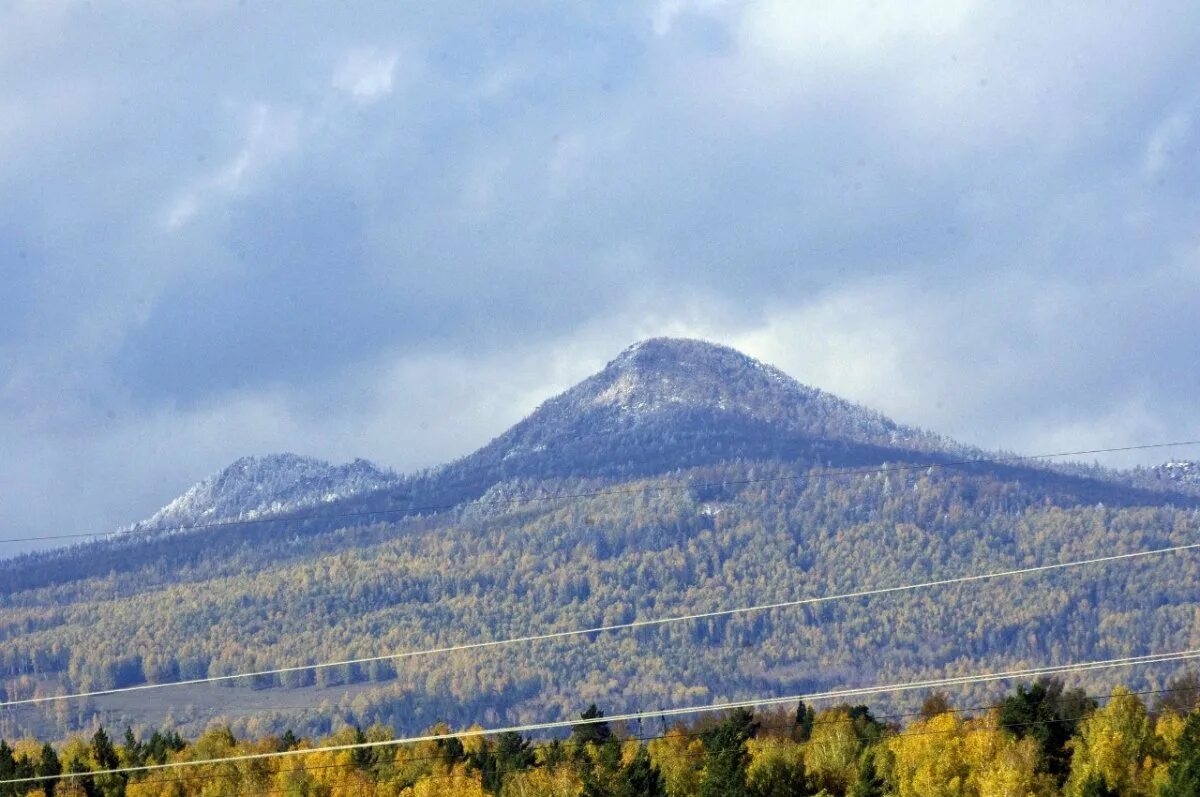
pixel 390 230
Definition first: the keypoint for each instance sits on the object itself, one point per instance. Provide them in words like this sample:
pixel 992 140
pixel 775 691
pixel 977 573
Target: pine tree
pixel 363 757
pixel 591 730
pixel 512 753
pixel 8 770
pixel 725 756
pixel 103 753
pixel 135 754
pixel 640 778
pixel 804 721
pixel 1050 716
pixel 49 767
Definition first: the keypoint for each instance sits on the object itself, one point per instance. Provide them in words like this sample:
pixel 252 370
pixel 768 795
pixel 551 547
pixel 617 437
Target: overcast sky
pixel 390 230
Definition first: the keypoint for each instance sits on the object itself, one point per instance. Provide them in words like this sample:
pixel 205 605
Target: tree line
pixel 1041 740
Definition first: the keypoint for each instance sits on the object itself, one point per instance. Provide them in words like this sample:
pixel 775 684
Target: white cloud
pixel 270 135
pixel 856 34
pixel 367 73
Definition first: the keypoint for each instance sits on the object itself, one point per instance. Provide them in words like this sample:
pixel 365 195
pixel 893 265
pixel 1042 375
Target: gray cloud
pixel 225 229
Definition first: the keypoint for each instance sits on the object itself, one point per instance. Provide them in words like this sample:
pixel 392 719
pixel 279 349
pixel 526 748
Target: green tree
pixel 363 757
pixel 600 772
pixel 104 754
pixel 8 770
pixel 511 753
pixel 805 715
pixel 640 778
pixel 1049 715
pixel 135 754
pixel 49 767
pixel 725 756
pixel 591 730
pixel 869 782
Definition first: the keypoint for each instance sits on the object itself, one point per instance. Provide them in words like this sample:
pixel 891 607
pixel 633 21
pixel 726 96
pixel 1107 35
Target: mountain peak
pixel 256 486
pixel 661 372
pixel 661 387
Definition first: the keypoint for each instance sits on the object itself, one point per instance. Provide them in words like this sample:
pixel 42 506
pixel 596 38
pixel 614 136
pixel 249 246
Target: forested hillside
pixel 700 481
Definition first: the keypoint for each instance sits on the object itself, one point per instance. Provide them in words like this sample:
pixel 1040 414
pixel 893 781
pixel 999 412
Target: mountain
pixel 683 477
pixel 663 381
pixel 255 487
pixel 660 404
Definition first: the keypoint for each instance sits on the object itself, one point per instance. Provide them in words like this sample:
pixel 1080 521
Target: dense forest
pixel 1041 740
pixel 486 572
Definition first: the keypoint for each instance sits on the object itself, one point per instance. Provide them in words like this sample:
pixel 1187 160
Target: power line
pixel 609 627
pixel 433 508
pixel 1029 672
pixel 675 733
pixel 818 722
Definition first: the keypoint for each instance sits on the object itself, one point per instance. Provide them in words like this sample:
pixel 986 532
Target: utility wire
pixel 634 624
pixel 1029 672
pixel 433 508
pixel 509 770
pixel 679 733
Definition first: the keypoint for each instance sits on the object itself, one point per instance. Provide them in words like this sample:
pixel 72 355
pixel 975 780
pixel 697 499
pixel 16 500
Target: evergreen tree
pixel 135 754
pixel 87 783
pixel 512 753
pixel 640 778
pixel 451 749
pixel 869 782
pixel 8 770
pixel 1095 786
pixel 49 767
pixel 103 753
pixel 591 730
pixel 804 721
pixel 363 757
pixel 1049 716
pixel 725 756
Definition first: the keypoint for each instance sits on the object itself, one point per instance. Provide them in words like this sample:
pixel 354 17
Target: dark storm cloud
pixel 227 229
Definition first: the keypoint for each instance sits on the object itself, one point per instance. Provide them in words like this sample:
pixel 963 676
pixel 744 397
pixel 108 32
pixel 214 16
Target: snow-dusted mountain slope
pixel 661 404
pixel 254 487
pixel 669 376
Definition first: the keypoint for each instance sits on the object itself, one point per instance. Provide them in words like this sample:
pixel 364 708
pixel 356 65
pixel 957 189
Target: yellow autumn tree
pixel 831 753
pixel 679 757
pixel 1000 765
pixel 929 759
pixel 1114 749
pixel 554 781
